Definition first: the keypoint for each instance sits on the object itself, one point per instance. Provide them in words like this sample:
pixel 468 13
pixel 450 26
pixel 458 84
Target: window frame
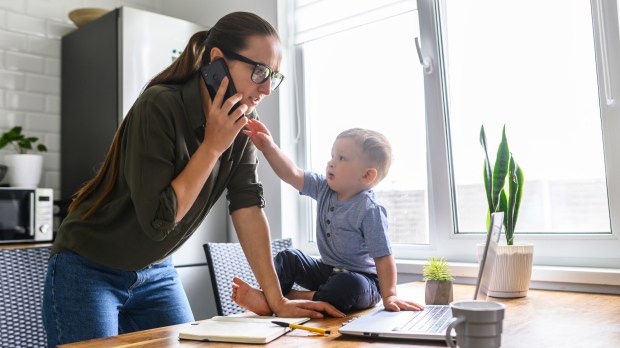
pixel 564 250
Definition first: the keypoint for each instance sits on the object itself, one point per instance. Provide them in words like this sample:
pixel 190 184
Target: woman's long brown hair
pixel 229 33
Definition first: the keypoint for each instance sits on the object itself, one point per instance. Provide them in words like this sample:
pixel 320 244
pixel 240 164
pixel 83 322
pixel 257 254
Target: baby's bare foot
pixel 249 297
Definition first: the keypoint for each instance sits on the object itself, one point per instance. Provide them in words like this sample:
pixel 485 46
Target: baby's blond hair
pixel 375 147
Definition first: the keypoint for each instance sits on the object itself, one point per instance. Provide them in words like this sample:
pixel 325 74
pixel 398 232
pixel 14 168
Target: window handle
pixel 426 62
pixel 610 98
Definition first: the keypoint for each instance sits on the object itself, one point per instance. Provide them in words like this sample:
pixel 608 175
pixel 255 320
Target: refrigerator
pixel 105 65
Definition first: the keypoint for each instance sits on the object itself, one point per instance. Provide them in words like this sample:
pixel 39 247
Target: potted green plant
pixel 438 280
pixel 503 183
pixel 24 167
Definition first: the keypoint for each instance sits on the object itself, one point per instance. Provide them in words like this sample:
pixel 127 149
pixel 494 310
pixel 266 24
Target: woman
pixel 171 158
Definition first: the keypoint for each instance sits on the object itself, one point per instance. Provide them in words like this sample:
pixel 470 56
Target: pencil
pixel 303 327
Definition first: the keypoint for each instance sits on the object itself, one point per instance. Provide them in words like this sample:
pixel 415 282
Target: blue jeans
pixel 346 291
pixel 84 300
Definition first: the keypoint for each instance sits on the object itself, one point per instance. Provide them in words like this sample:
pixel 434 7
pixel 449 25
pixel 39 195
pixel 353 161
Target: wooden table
pixel 542 319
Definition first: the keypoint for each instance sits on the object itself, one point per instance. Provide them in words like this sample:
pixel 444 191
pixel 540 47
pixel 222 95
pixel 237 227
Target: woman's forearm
pixel 253 233
pixel 191 180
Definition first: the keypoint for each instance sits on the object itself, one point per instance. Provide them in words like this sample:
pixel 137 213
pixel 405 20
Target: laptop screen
pixel 487 261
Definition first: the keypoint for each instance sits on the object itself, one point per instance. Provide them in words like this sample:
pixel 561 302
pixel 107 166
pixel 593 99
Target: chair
pixel 22 275
pixel 225 261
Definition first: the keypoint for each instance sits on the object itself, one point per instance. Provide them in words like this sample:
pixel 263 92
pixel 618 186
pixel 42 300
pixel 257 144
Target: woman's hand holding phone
pixel 221 128
pixel 220 131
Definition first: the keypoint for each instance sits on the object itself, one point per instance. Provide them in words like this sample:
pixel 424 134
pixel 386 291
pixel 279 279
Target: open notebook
pixel 431 323
pixel 258 329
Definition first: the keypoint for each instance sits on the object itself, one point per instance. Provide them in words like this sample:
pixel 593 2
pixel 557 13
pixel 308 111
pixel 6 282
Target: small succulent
pixel 21 143
pixel 436 269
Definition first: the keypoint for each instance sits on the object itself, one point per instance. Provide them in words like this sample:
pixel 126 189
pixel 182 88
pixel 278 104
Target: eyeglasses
pixel 261 72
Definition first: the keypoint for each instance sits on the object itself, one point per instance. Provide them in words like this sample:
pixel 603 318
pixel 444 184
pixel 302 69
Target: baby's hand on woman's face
pixel 258 127
pixel 258 133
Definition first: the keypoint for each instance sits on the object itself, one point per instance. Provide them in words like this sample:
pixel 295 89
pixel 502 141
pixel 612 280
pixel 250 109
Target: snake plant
pixel 503 184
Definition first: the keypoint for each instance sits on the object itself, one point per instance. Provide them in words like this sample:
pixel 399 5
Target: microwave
pixel 26 215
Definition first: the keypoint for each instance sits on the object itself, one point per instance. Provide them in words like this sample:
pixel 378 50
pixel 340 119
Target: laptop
pixel 430 323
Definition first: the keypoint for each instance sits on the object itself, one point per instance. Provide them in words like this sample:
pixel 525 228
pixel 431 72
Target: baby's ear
pixel 369 176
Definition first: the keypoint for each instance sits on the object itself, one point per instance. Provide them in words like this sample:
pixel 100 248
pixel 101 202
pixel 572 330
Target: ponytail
pixel 186 65
pixel 106 176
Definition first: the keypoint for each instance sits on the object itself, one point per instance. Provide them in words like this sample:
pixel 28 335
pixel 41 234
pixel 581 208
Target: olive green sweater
pixel 135 226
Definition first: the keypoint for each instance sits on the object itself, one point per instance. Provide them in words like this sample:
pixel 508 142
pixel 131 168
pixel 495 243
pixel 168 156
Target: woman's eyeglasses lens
pixel 261 73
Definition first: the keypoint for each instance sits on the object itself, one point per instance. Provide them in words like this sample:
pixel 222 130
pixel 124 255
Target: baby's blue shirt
pixel 350 233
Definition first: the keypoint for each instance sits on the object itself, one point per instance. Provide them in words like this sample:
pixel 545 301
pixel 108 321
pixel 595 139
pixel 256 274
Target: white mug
pixel 478 324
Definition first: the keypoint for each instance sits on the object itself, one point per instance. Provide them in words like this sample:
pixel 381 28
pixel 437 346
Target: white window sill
pixel 583 279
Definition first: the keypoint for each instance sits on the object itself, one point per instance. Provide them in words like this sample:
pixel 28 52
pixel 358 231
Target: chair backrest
pixel 22 276
pixel 225 261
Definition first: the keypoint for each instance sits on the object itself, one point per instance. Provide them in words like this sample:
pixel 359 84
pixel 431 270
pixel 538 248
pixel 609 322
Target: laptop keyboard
pixel 433 319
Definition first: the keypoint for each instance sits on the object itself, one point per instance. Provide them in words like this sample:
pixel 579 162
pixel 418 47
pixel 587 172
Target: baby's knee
pixel 288 254
pixel 349 293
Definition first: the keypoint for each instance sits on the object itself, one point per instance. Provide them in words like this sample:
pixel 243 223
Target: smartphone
pixel 213 74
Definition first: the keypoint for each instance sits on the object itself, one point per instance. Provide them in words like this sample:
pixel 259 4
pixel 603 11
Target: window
pixel 390 100
pixel 373 81
pixel 540 81
pixel 546 74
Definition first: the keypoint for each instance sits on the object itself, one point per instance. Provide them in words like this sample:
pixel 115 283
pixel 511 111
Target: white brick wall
pixel 30 47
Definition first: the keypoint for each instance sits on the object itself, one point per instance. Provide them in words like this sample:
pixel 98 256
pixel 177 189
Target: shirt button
pixel 328 222
pixel 329 234
pixel 331 208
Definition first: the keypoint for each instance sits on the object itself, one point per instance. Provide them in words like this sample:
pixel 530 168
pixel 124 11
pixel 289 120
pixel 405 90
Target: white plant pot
pixel 513 270
pixel 24 170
